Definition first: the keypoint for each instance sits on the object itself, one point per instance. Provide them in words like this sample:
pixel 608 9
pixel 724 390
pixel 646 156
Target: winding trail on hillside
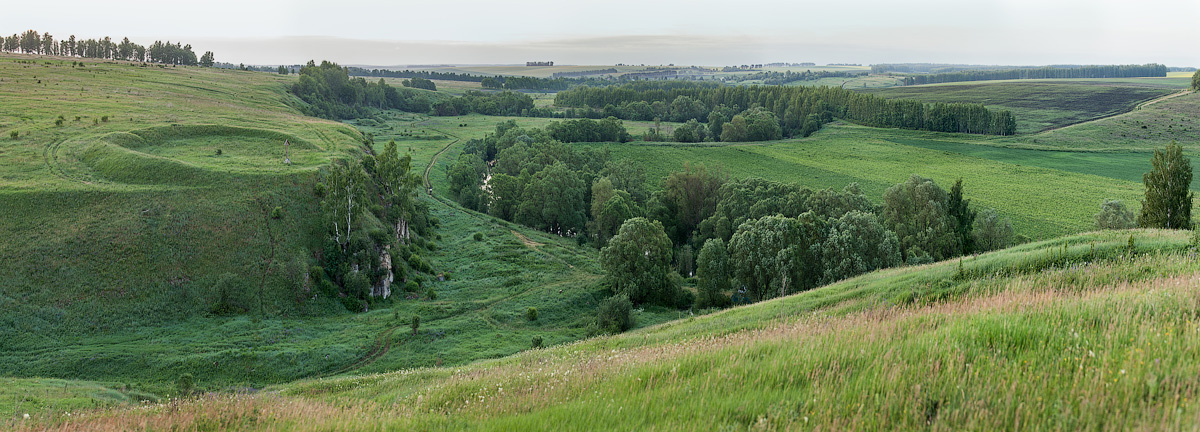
pixel 1137 107
pixel 381 346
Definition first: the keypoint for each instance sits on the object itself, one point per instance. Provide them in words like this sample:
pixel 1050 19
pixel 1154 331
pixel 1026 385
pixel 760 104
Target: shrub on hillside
pixel 186 384
pixel 1114 215
pixel 537 342
pixel 615 314
pixel 531 314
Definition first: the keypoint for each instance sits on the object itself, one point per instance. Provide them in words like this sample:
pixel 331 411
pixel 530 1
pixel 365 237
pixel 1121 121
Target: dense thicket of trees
pixel 420 83
pixel 799 111
pixel 1196 81
pixel 505 103
pixel 534 179
pixel 330 93
pixel 1106 71
pixel 32 42
pixel 375 227
pixel 771 238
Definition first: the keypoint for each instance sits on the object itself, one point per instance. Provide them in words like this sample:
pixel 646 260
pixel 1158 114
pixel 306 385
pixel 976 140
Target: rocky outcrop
pixel 384 287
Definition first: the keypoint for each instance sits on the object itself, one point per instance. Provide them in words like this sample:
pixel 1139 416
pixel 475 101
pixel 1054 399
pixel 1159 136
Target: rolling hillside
pixel 1061 334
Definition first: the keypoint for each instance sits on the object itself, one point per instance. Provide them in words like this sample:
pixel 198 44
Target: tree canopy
pixel 1168 202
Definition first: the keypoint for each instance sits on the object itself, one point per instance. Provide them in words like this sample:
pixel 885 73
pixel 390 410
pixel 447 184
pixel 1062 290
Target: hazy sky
pixel 702 32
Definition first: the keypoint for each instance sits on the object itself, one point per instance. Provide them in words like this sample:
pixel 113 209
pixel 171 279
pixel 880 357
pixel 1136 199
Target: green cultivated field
pixel 1076 333
pixel 1037 104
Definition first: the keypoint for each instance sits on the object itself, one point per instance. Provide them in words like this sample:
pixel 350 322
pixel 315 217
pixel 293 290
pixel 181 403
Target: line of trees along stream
pixel 775 238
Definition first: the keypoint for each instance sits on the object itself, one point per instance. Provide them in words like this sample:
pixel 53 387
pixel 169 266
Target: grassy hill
pixel 126 220
pixel 1082 332
pixel 119 237
pixel 1039 104
pixel 1148 127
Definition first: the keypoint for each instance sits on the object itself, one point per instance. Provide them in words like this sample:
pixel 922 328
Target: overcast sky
pixel 704 32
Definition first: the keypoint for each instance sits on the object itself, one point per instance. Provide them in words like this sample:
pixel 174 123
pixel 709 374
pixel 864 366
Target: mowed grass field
pixel 1037 104
pixel 1081 333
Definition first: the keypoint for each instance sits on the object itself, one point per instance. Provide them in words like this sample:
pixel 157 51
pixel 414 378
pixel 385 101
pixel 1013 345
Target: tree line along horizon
pixel 756 112
pixel 32 42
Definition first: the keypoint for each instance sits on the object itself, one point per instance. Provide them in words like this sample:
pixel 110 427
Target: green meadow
pixel 134 199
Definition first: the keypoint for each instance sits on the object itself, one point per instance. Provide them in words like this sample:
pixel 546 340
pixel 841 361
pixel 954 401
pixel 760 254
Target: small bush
pixel 531 314
pixel 186 384
pixel 104 119
pixel 412 286
pixel 77 118
pixel 219 152
pixel 615 314
pixel 537 342
pixel 431 294
pixel 14 135
pixel 318 189
pixel 1114 215
pixel 58 122
pixel 277 213
pixel 415 322
pixel 478 236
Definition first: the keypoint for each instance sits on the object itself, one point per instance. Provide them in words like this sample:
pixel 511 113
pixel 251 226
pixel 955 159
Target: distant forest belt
pixel 800 110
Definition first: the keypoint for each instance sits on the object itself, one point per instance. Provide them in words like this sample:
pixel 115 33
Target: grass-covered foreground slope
pixel 1038 104
pixel 1082 332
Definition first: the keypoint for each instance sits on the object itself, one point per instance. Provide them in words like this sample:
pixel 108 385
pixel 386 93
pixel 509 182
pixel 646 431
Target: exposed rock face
pixel 384 288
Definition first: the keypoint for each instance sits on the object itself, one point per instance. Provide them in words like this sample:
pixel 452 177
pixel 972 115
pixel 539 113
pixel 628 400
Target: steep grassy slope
pixel 1082 332
pixel 118 238
pixel 1037 104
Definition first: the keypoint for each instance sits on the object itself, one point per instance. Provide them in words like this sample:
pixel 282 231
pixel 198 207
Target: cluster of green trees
pixel 1168 197
pixel 526 83
pixel 781 78
pixel 759 239
pixel 32 42
pixel 506 103
pixel 419 83
pixel 1196 81
pixel 1095 71
pixel 376 229
pixel 535 179
pixel 330 93
pixel 799 111
pixel 756 239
